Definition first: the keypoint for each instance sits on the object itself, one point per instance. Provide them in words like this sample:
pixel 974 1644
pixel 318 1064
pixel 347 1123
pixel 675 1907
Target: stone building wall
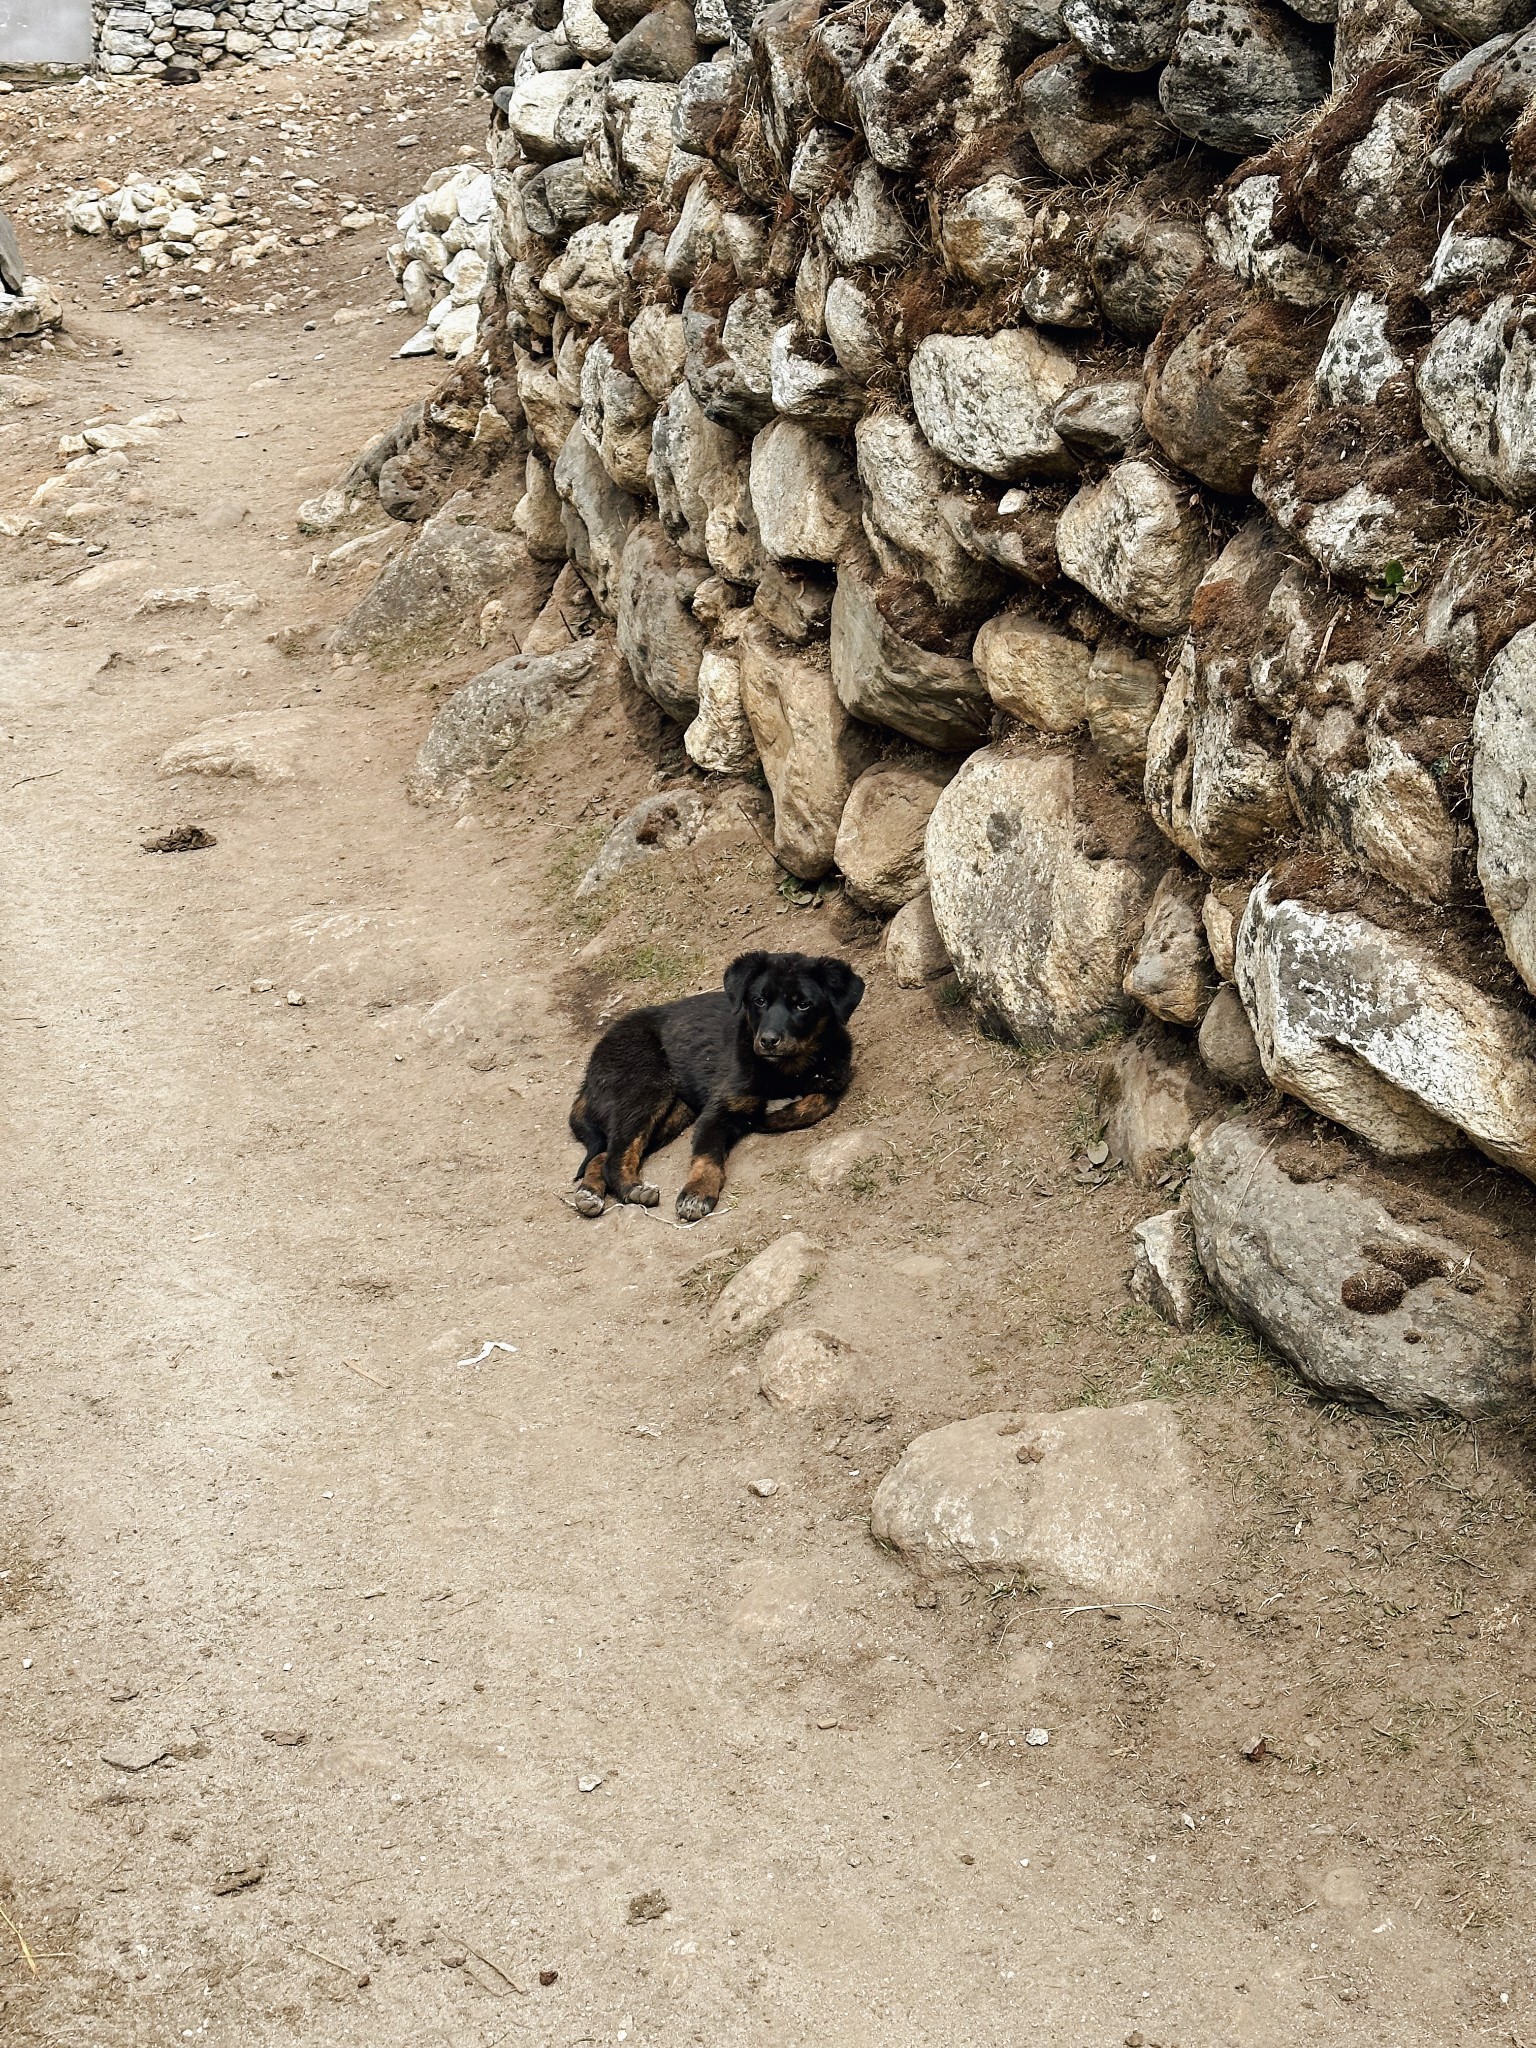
pixel 147 36
pixel 1084 453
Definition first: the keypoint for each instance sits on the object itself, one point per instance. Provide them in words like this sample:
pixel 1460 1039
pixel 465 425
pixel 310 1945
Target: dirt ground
pixel 354 1694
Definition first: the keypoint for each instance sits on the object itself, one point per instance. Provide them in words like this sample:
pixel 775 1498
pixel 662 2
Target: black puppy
pixel 770 1052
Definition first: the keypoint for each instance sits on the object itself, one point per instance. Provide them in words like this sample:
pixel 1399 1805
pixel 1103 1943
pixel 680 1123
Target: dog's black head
pixel 789 999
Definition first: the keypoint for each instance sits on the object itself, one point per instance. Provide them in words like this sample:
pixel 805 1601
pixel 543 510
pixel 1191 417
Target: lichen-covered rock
pixel 1037 929
pixel 986 401
pixel 617 412
pixel 934 75
pixel 853 328
pixel 1102 418
pixel 1366 1026
pixel 1477 388
pixel 1145 252
pixel 1083 120
pixel 1101 1501
pixel 883 677
pixel 804 385
pixel 812 751
pixel 1136 543
pixel 1414 1316
pixel 864 227
pixel 1034 671
pixel 1241 74
pixel 914 949
pixel 1170 971
pixel 1122 34
pixel 804 495
pixel 1246 242
pixel 1056 289
pixel 985 232
pixel 658 634
pixel 701 479
pixel 879 847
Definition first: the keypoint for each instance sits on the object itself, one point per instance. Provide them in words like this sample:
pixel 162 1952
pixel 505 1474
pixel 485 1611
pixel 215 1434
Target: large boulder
pixel 1417 1316
pixel 454 566
pixel 812 751
pixel 702 489
pixel 1101 1501
pixel 886 679
pixel 1034 671
pixel 1369 1027
pixel 1504 796
pixel 879 846
pixel 526 698
pixel 1137 544
pixel 985 401
pixel 1037 917
pixel 658 634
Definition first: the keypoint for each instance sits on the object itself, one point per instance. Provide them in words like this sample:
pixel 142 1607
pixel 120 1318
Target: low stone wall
pixel 1082 453
pixel 155 34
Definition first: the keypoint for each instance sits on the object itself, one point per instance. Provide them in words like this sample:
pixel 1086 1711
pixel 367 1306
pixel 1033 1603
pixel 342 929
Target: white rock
pixel 1368 1027
pixel 1137 544
pixel 1165 1274
pixel 812 751
pixel 914 949
pixel 1477 390
pixel 1038 932
pixel 1103 1501
pixel 879 846
pixel 804 496
pixel 259 746
pixel 863 226
pixel 902 478
pixel 853 328
pixel 770 1282
pixel 720 737
pixel 985 401
pixel 1357 357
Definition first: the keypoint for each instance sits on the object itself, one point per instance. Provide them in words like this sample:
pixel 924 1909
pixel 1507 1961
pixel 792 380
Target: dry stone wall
pixel 1085 454
pixel 147 37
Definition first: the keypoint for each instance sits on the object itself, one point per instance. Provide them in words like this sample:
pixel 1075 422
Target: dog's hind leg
pixel 589 1197
pixel 622 1168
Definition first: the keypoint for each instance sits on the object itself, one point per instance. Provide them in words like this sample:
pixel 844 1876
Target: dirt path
pixel 353 1694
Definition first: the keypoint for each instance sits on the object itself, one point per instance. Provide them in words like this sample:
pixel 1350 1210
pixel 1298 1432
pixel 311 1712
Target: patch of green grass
pixel 653 964
pixel 576 854
pixel 1222 1358
pixel 703 1284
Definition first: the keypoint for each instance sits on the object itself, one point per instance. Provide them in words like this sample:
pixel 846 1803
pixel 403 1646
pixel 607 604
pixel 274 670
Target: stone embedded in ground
pixel 1165 1273
pixel 670 818
pixel 879 848
pixel 770 1282
pixel 524 698
pixel 1153 1098
pixel 914 949
pixel 804 1368
pixel 1101 1501
pixel 811 750
pixel 1416 1316
pixel 835 1160
pixel 455 565
pixel 1037 929
pixel 255 746
pixel 1504 797
pixel 1368 1026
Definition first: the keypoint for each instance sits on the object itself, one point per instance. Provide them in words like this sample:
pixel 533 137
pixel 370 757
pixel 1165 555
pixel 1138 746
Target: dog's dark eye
pixel 799 1004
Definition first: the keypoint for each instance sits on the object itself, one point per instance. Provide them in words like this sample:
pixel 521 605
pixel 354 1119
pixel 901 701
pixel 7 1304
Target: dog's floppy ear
pixel 738 977
pixel 844 988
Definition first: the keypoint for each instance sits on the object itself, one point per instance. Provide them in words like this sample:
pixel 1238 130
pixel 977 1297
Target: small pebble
pixel 765 1489
pixel 1037 1738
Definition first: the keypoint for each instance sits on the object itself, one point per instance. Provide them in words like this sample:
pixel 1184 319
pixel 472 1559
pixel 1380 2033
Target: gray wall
pixel 45 32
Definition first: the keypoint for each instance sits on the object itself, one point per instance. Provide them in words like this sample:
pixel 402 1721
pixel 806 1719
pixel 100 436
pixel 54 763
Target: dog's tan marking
pixel 796 1115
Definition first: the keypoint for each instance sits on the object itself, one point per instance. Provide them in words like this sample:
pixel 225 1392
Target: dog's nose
pixel 769 1040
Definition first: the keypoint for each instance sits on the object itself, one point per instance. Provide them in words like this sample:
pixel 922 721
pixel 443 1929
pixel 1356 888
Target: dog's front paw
pixel 587 1202
pixel 693 1208
pixel 644 1193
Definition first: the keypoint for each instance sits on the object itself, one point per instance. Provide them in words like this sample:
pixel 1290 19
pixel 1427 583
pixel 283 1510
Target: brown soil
pixel 311 1635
